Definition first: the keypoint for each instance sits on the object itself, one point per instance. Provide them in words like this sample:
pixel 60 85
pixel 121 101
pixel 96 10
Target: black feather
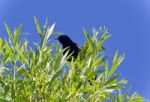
pixel 67 43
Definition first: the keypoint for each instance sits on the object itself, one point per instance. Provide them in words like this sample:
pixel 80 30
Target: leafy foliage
pixel 28 75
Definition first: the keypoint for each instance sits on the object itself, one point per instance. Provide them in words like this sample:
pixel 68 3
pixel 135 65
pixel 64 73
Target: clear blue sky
pixel 127 20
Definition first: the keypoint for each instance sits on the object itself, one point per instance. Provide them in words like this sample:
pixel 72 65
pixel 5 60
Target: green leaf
pixel 116 63
pixel 97 72
pixel 21 72
pixel 8 31
pixel 115 57
pixel 60 33
pixel 123 81
pixel 99 62
pixel 47 35
pixel 38 26
pixel 49 48
pixel 22 57
pixel 106 70
pixel 88 67
pixel 112 80
pixel 8 48
pixel 135 98
pixel 1 42
pixel 125 96
pixel 87 36
pixel 102 39
pixel 56 75
pixel 16 34
pixel 3 100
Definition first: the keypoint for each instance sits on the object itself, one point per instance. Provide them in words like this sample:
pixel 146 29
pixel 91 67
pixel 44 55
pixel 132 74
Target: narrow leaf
pixel 8 31
pixel 16 34
pixel 116 63
pixel 38 26
pixel 47 35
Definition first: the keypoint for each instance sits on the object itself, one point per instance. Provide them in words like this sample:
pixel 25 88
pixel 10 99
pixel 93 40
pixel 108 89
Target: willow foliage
pixel 39 75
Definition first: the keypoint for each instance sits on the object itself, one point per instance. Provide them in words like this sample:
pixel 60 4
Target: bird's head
pixel 65 40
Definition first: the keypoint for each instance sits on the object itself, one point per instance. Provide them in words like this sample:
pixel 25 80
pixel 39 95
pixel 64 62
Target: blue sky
pixel 127 20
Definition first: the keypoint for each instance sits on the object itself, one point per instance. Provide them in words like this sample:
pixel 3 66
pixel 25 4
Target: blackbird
pixel 73 48
pixel 67 43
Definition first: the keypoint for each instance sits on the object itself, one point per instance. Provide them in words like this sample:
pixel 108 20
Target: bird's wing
pixel 78 48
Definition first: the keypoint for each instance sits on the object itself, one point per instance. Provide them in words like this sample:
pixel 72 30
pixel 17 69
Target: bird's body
pixel 68 44
pixel 73 48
